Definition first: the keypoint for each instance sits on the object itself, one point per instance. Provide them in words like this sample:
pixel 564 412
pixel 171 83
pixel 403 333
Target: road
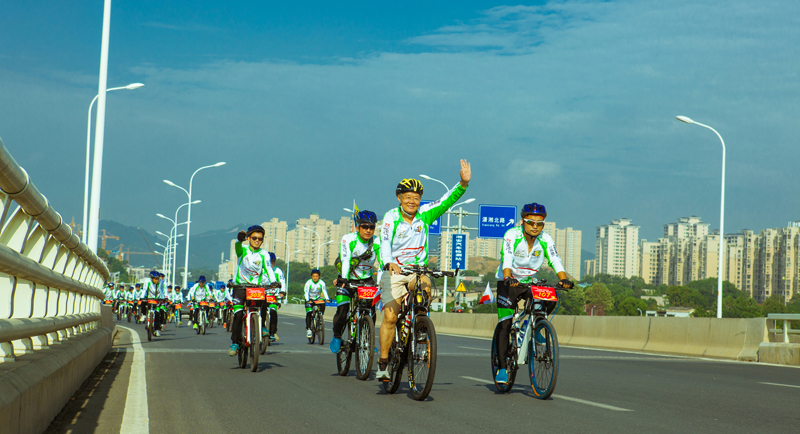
pixel 193 386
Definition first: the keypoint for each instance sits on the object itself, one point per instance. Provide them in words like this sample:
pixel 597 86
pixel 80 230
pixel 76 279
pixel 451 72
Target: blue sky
pixel 312 104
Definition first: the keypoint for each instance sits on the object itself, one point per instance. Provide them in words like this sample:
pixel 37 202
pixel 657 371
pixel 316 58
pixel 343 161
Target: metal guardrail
pixel 787 319
pixel 50 282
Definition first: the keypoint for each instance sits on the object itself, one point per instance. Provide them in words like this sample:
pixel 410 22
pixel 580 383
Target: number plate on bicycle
pixel 544 293
pixel 255 293
pixel 271 299
pixel 107 302
pixel 177 306
pixel 319 302
pixel 152 301
pixel 367 292
pixel 212 304
pixel 203 303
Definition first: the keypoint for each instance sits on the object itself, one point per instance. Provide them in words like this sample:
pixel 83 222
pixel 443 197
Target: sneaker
pixel 194 326
pixel 382 374
pixel 157 333
pixel 501 377
pixel 336 345
pixel 234 350
pixel 273 338
pixel 264 332
pixel 308 333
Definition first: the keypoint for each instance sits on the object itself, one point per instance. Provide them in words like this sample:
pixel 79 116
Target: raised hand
pixel 466 173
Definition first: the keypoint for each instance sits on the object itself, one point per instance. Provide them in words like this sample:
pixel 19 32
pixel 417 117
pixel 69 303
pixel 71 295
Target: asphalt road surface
pixel 193 386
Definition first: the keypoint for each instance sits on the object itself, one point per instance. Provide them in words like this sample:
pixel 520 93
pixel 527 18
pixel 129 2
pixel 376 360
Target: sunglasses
pixel 257 238
pixel 534 223
pixel 371 227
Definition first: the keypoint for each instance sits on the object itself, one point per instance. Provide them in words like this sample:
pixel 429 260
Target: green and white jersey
pixel 281 279
pixel 130 295
pixel 200 293
pixel 149 290
pixel 253 266
pixel 313 290
pixel 407 244
pixel 362 254
pixel 524 264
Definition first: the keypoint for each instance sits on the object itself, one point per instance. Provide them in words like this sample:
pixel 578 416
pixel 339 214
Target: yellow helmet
pixel 407 185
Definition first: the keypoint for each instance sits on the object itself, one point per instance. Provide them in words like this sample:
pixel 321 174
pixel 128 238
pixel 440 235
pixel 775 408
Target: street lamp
pixel 288 266
pixel 721 213
pixel 189 216
pixel 319 240
pixel 131 86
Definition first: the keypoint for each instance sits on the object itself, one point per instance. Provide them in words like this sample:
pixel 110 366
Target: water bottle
pixel 521 334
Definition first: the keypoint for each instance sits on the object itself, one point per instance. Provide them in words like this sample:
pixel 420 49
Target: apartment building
pixel 617 249
pixel 648 261
pixel 275 230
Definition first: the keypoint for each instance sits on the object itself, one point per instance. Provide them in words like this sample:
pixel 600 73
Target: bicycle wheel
pixel 128 316
pixel 149 327
pixel 365 344
pixel 543 356
pixel 422 358
pixel 264 339
pixel 396 362
pixel 211 321
pixel 345 354
pixel 320 332
pixel 512 372
pixel 313 329
pixel 255 341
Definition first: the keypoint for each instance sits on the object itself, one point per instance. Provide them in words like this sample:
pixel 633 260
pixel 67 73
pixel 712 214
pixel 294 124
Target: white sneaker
pixel 308 333
pixel 157 333
pixel 382 375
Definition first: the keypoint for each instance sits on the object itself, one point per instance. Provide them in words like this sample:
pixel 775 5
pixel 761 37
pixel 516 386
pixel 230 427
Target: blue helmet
pixel 138 285
pixel 202 279
pixel 315 271
pixel 255 228
pixel 272 257
pixel 534 208
pixel 366 217
pixel 154 274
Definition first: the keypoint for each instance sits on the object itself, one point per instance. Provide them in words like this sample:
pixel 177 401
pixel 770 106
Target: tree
pixel 774 304
pixel 598 295
pixel 794 304
pixel 742 307
pixel 685 297
pixel 573 302
pixel 631 306
pixel 115 266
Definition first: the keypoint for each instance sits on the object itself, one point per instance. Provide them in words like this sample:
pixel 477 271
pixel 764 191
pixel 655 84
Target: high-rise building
pixel 568 245
pixel 648 261
pixel 275 230
pixel 617 249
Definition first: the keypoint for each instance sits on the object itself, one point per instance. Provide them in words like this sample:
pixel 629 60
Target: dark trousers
pixel 310 305
pixel 507 297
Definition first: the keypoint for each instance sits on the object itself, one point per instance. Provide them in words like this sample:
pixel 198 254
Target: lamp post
pixel 319 240
pixel 288 267
pixel 189 216
pixel 131 86
pixel 721 213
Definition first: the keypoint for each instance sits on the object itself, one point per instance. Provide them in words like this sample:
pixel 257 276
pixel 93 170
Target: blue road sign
pixel 436 227
pixel 495 220
pixel 458 252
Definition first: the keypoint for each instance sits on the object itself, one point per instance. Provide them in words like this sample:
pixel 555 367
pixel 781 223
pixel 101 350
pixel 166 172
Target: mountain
pixel 586 255
pixel 206 248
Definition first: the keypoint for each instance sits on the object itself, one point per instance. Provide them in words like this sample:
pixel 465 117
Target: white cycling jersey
pixel 176 297
pixel 200 293
pixel 253 266
pixel 364 253
pixel 281 279
pixel 149 290
pixel 407 244
pixel 313 290
pixel 220 296
pixel 524 264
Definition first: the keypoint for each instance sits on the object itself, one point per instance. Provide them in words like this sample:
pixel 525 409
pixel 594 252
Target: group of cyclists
pixel 402 244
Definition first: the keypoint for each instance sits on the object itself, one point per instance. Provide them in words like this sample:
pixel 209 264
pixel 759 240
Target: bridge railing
pixel 50 282
pixel 787 329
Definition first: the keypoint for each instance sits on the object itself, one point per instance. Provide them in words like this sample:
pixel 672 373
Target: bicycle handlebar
pixel 407 270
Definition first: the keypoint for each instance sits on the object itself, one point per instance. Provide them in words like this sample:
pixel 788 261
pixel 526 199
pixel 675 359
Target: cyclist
pixel 404 241
pixel 200 292
pixel 358 251
pixel 154 289
pixel 525 249
pixel 177 298
pixel 312 291
pixel 273 308
pixel 253 267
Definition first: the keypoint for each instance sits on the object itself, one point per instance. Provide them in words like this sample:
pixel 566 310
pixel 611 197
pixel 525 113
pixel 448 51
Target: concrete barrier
pixel 623 333
pixel 779 353
pixel 35 388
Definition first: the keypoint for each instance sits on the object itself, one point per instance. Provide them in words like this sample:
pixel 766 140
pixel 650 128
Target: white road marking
pixel 778 384
pixel 565 398
pixel 288 323
pixel 135 419
pixel 473 348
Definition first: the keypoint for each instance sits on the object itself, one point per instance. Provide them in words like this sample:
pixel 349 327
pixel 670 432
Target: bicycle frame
pixel 252 309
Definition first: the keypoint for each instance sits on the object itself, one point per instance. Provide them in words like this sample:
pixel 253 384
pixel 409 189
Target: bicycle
pixel 541 357
pixel 317 323
pixel 250 340
pixel 177 314
pixel 201 316
pixel 359 334
pixel 212 308
pixel 419 352
pixel 122 310
pixel 131 311
pixel 269 298
pixel 150 321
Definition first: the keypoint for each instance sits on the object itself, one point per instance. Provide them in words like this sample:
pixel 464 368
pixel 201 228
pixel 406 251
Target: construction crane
pixel 106 237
